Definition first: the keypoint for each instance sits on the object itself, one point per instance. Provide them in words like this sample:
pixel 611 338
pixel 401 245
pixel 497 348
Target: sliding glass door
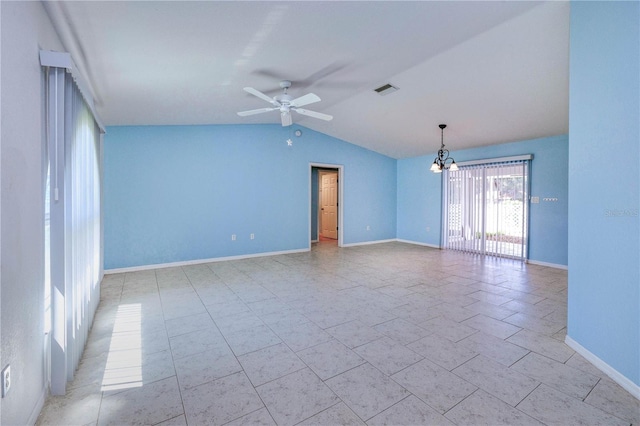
pixel 486 208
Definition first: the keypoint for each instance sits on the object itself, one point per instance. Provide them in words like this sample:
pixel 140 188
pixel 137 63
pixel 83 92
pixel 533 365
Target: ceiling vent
pixel 386 89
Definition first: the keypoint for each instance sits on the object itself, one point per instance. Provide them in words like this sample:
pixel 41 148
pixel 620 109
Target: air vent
pixel 386 89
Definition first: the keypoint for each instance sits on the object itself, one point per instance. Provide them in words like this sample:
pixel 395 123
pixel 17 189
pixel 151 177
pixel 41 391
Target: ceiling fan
pixel 285 104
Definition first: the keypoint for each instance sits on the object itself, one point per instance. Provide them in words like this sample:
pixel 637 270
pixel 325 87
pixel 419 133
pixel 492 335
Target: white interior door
pixel 329 204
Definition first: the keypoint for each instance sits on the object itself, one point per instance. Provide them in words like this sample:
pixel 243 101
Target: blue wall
pixel 420 192
pixel 419 201
pixel 604 276
pixel 177 193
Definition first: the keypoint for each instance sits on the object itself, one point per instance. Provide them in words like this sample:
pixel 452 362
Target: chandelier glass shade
pixel 443 160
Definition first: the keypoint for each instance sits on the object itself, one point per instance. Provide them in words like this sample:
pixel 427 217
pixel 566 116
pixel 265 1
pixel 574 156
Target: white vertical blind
pixel 83 201
pixel 486 208
pixel 75 222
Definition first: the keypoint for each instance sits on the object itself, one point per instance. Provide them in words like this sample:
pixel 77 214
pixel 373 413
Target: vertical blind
pixel 83 206
pixel 74 203
pixel 486 208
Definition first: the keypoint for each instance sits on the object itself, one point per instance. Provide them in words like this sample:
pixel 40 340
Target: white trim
pixel 200 261
pixel 340 169
pixel 38 407
pixel 496 160
pixel 417 243
pixel 315 241
pixel 366 243
pixel 444 209
pixel 614 374
pixel 549 265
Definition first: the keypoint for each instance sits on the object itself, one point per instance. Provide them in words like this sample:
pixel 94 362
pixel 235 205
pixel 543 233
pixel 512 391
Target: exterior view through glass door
pixel 486 208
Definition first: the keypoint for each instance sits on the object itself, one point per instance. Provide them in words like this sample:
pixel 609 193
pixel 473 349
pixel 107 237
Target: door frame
pixel 340 169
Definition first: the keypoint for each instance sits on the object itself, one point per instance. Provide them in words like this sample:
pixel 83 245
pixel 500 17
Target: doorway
pixel 326 202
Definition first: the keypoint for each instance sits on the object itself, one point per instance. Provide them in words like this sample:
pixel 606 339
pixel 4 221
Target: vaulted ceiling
pixel 494 72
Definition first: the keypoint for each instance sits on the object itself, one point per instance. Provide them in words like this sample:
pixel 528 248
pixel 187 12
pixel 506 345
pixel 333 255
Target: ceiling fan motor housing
pixel 284 99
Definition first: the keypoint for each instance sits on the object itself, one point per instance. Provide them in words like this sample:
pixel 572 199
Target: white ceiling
pixel 494 72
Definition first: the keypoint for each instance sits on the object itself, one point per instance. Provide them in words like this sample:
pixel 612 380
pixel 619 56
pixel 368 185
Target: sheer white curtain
pixel 74 188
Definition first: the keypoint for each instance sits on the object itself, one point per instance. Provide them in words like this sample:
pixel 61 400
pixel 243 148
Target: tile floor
pixel 380 334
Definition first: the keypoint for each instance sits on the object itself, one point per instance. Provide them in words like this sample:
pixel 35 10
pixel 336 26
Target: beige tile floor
pixel 380 334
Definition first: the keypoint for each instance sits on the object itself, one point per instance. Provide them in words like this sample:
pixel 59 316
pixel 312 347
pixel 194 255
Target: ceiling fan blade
pixel 271 74
pixel 255 111
pixel 314 114
pixel 286 119
pixel 261 95
pixel 307 99
pixel 321 74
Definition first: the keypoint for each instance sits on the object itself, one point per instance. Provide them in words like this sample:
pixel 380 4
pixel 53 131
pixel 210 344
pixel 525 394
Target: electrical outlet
pixel 368 228
pixel 6 380
pixel 252 236
pixel 428 229
pixel 233 237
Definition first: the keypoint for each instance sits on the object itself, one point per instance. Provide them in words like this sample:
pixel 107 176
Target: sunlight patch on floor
pixel 124 362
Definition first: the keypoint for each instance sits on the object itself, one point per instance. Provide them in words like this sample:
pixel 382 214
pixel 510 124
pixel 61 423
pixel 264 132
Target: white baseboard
pixel 275 253
pixel 549 265
pixel 36 410
pixel 200 261
pixel 400 240
pixel 366 243
pixel 614 374
pixel 240 257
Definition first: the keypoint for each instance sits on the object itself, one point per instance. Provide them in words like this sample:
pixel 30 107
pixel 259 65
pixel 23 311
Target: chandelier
pixel 443 161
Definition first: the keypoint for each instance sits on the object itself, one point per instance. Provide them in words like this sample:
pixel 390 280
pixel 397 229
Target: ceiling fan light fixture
pixel 285 117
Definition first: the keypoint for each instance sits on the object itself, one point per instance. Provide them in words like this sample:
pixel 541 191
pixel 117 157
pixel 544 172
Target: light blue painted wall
pixel 604 158
pixel 177 193
pixel 419 201
pixel 420 192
